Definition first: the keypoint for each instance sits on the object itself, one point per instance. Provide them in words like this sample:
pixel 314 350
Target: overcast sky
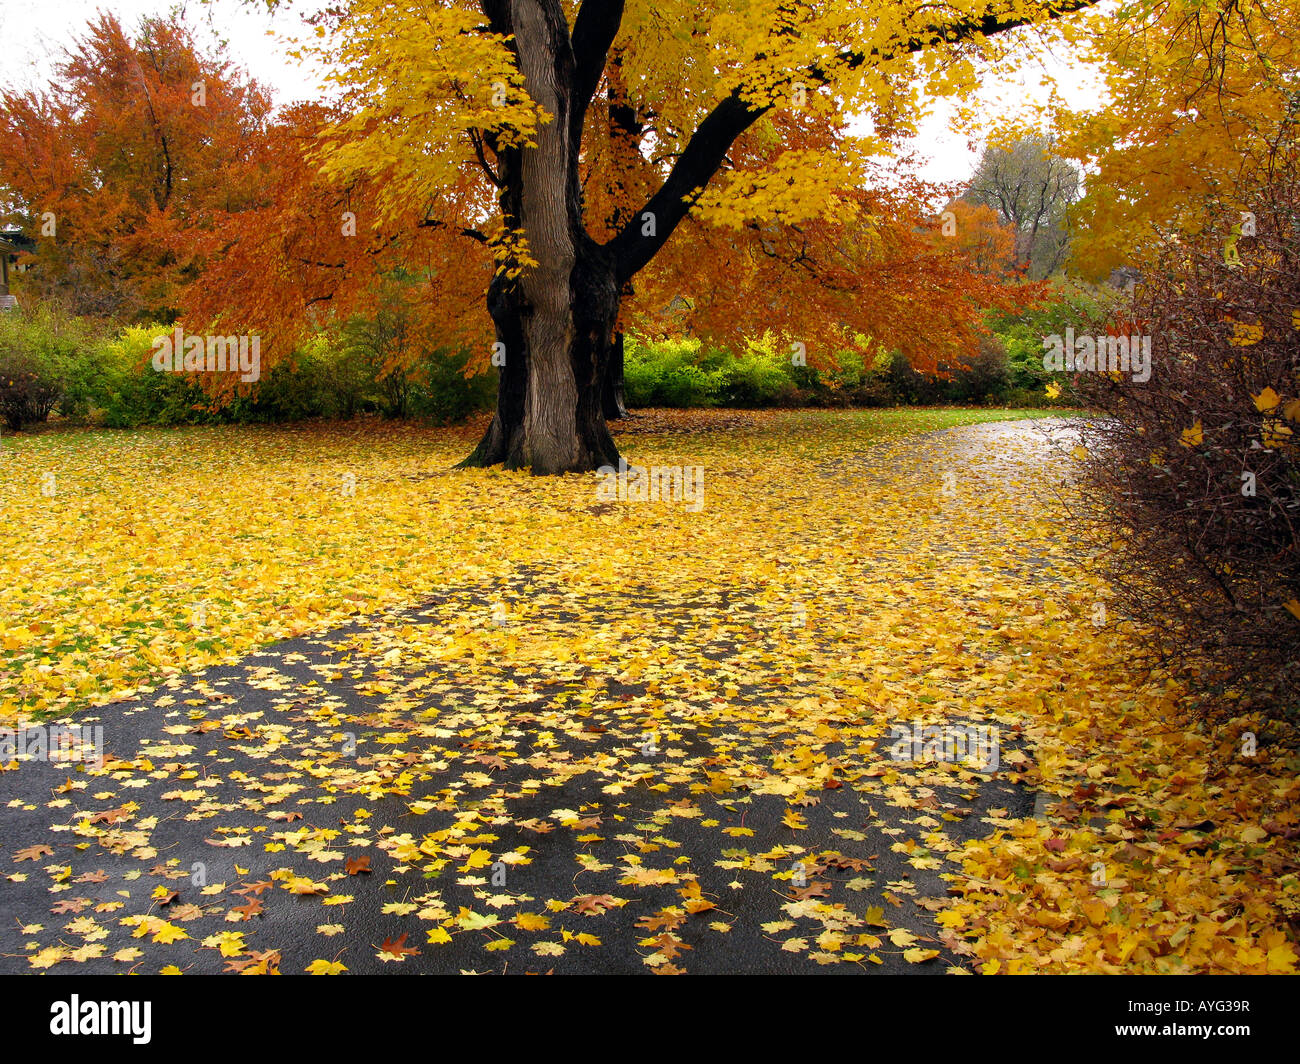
pixel 35 32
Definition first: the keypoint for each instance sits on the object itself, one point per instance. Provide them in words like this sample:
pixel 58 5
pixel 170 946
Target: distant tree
pixel 1031 188
pixel 137 134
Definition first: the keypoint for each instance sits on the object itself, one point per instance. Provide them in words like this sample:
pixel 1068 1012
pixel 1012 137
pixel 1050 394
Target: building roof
pixel 15 240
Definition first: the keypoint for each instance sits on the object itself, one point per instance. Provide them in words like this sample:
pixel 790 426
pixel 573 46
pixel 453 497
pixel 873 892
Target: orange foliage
pixel 137 136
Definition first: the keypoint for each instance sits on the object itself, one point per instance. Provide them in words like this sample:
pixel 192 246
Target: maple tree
pixel 564 144
pixel 137 133
pixel 888 280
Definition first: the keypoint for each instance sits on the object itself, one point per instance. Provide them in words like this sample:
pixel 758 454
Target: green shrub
pixel 445 394
pixel 45 361
pixel 130 392
pixel 985 375
pixel 761 375
pixel 669 373
pixel 1070 305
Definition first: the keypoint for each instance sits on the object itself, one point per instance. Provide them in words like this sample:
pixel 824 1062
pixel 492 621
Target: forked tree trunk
pixel 556 320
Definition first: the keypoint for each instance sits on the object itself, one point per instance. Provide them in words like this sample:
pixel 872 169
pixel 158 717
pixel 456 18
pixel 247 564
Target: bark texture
pixel 556 320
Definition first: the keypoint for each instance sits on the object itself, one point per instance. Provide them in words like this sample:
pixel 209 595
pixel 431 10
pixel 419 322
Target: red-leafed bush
pixel 1195 473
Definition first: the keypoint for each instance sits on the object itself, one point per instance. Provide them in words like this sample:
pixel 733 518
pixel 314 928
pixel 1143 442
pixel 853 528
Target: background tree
pixel 1031 188
pixel 136 136
pixel 887 278
pixel 1202 109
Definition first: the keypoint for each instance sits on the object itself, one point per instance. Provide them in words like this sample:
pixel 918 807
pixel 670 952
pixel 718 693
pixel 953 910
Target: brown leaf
pixel 266 962
pixel 664 921
pixel 668 945
pixel 854 864
pixel 397 948
pixel 595 904
pixel 253 908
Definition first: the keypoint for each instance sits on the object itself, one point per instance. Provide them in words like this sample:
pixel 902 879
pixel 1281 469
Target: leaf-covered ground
pixel 510 727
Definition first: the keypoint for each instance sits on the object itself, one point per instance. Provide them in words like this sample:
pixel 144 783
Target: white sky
pixel 35 32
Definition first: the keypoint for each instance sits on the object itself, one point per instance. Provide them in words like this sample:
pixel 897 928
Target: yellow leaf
pixel 169 933
pixel 1266 400
pixel 322 967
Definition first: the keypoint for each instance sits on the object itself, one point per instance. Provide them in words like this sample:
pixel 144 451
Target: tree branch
pixel 709 144
pixel 434 223
pixel 593 33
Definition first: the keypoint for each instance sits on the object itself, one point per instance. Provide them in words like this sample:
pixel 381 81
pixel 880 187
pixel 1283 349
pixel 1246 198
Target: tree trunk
pixel 556 319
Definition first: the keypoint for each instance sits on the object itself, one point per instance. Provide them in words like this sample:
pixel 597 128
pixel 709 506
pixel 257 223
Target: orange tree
pixel 138 134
